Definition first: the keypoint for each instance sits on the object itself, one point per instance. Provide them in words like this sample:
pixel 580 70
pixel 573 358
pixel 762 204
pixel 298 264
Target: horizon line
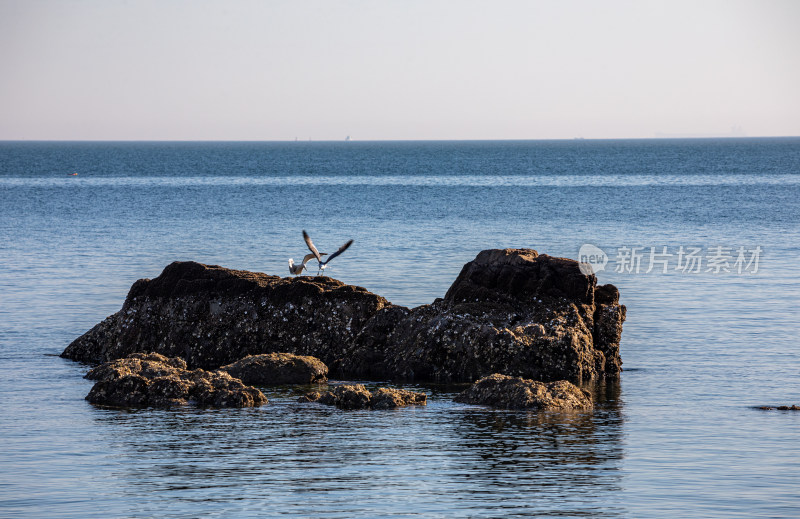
pixel 566 139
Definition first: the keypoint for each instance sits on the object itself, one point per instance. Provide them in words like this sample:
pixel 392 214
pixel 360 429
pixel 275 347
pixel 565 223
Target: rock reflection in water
pixel 307 459
pixel 563 463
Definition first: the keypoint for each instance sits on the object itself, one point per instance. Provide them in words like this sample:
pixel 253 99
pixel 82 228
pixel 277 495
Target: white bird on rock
pixel 323 264
pixel 298 269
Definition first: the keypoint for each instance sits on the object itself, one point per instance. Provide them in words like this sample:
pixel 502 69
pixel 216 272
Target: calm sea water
pixel 679 436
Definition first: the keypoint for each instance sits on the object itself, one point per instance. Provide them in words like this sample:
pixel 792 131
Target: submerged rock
pixel 780 408
pixel 359 397
pixel 510 311
pixel 150 379
pixel 278 368
pixel 517 393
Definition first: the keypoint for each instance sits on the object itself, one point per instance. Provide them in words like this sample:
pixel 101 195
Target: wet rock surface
pixel 357 396
pixel 780 408
pixel 517 393
pixel 212 316
pixel 153 380
pixel 511 311
pixel 270 369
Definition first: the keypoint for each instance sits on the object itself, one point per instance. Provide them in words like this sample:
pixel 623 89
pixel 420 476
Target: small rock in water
pixel 356 396
pixel 386 398
pixel 781 408
pixel 148 365
pixel 277 369
pixel 518 393
pixel 151 379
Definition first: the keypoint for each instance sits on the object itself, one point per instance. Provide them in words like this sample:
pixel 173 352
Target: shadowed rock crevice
pixel 511 311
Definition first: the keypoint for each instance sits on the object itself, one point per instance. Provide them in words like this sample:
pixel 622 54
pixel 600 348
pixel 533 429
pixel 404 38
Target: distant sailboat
pixel 347 138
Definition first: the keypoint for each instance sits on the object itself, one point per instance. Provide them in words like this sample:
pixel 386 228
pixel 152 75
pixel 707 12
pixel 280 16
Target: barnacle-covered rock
pixel 270 369
pixel 511 311
pixel 389 398
pixel 517 393
pixel 148 365
pixel 357 396
pixel 213 316
pixel 155 380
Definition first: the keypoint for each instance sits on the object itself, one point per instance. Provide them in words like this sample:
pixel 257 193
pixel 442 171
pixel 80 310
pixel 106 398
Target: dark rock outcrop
pixel 510 311
pixel 517 393
pixel 358 397
pixel 212 316
pixel 271 369
pixel 150 379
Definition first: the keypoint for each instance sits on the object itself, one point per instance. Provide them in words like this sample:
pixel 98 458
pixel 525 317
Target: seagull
pixel 323 264
pixel 298 269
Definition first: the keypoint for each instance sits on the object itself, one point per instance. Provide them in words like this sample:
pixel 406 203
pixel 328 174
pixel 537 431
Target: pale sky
pixel 427 69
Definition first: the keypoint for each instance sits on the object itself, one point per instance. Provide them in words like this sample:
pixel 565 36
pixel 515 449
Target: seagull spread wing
pixel 309 257
pixel 341 250
pixel 311 247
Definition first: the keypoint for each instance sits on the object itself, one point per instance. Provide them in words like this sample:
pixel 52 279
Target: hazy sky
pixel 274 70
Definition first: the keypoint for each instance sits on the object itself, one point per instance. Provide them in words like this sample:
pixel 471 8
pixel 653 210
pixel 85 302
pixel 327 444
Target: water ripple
pixel 626 180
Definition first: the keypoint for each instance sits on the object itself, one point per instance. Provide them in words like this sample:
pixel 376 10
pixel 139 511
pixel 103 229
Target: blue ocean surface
pixel 701 236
